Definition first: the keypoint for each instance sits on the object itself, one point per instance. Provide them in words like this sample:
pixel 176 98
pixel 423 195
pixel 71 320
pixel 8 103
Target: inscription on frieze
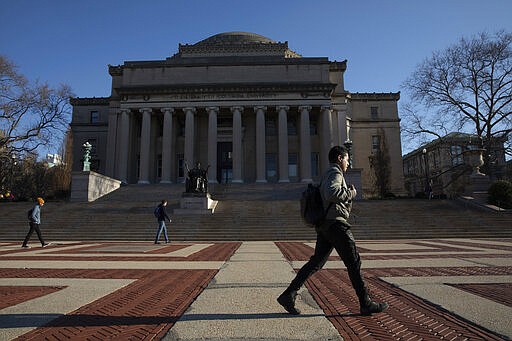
pixel 237 95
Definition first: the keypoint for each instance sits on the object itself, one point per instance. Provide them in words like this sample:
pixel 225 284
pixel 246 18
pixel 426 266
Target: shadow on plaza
pixel 84 320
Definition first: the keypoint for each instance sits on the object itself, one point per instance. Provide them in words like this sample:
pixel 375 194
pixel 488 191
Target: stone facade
pixel 446 165
pixel 247 106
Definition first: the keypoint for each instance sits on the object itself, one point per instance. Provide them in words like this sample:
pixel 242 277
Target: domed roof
pixel 228 38
pixel 235 44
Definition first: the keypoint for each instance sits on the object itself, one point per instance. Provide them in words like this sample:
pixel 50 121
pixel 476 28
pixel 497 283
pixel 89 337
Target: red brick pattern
pixel 408 317
pixel 497 292
pixel 12 295
pixel 143 310
pixel 215 252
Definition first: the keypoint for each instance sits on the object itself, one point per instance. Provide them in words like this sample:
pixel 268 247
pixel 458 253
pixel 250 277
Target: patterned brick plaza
pixel 452 289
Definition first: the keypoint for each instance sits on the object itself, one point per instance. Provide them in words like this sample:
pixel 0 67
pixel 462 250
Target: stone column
pixel 212 143
pixel 145 140
pixel 111 145
pixel 189 136
pixel 167 159
pixel 237 144
pixel 260 144
pixel 326 137
pixel 283 143
pixel 342 127
pixel 305 145
pixel 124 146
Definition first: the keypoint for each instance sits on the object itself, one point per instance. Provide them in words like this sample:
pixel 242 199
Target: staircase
pixel 245 212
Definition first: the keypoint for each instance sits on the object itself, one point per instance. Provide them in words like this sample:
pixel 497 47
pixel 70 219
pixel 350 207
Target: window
pixel 95 117
pixel 456 154
pixel 225 121
pixel 271 167
pixel 270 127
pixel 315 162
pixel 292 165
pixel 180 161
pixel 375 143
pixel 292 126
pixel 313 128
pixel 374 113
pixel 159 166
pixel 138 166
pixel 181 126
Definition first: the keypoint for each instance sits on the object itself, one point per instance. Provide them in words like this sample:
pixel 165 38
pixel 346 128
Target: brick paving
pixel 409 317
pixel 150 305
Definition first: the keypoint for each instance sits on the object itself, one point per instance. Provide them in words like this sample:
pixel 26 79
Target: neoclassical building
pixel 246 106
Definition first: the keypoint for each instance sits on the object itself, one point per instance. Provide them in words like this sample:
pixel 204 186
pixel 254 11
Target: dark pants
pixel 33 226
pixel 336 236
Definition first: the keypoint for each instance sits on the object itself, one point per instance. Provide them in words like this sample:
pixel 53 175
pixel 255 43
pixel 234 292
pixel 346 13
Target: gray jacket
pixel 335 192
pixel 36 215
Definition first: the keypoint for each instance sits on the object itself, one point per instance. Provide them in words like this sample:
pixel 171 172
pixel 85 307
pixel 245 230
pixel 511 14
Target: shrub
pixel 500 194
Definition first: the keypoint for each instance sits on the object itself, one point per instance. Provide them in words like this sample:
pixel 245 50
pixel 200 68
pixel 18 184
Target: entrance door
pixel 224 162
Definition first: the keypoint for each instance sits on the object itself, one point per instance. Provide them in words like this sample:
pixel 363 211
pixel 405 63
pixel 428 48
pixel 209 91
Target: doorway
pixel 224 162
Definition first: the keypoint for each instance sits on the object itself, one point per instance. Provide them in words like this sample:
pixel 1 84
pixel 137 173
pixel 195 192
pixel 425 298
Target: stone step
pixel 246 212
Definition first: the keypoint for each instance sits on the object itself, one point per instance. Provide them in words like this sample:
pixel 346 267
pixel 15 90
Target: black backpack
pixel 29 214
pixel 311 206
pixel 156 212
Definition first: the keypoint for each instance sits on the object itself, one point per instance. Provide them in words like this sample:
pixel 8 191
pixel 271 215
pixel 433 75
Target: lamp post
pixel 348 144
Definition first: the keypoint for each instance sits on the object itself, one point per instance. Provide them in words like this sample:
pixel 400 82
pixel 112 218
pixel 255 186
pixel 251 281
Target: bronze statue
pixel 197 181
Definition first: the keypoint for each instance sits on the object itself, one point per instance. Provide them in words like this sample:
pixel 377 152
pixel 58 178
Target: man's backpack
pixel 311 206
pixel 29 213
pixel 156 212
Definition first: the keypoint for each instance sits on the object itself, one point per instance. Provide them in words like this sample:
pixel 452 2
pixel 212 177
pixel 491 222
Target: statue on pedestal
pixel 87 156
pixel 197 180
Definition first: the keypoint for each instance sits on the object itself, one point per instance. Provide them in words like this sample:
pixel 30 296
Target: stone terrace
pixel 244 213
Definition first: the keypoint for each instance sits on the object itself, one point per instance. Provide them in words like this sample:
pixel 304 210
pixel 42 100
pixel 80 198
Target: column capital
pixel 124 111
pixel 143 110
pixel 326 107
pixel 170 110
pixel 210 109
pixel 237 108
pixel 305 107
pixel 260 107
pixel 282 107
pixel 190 109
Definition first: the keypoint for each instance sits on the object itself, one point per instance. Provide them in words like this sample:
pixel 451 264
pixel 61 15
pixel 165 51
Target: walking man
pixel 335 233
pixel 161 215
pixel 34 220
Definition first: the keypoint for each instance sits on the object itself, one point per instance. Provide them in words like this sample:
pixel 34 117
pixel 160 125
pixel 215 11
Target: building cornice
pixel 381 96
pixel 338 66
pixel 77 101
pixel 216 61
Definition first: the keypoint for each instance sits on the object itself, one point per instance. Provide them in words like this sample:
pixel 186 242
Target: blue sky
pixel 62 41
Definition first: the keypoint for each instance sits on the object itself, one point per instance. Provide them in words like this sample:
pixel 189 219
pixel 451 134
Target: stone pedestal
pixel 196 203
pixel 478 186
pixel 89 186
pixel 353 177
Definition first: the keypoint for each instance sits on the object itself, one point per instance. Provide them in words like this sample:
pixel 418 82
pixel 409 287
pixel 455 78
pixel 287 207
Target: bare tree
pixel 380 163
pixel 465 88
pixel 31 115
